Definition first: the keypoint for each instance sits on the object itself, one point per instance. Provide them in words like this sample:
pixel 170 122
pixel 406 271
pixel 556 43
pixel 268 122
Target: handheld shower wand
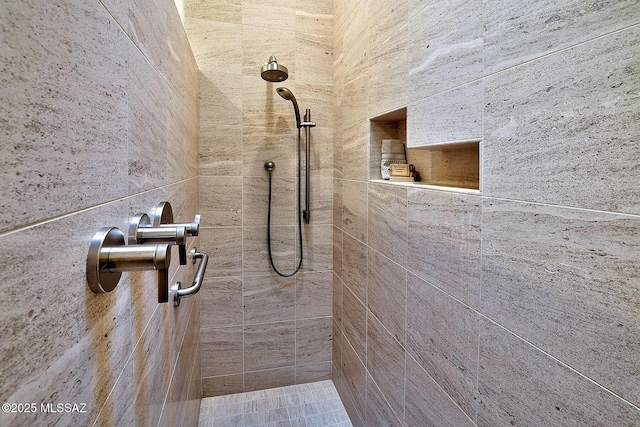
pixel 286 94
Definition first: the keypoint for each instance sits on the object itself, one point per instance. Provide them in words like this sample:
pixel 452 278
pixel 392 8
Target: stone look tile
pixel 453 115
pixel 321 199
pixel 269 346
pixel 216 45
pixel 355 146
pixel 224 246
pixel 220 201
pixel 314 17
pixel 221 301
pixel 277 144
pixel 313 341
pixel 58 113
pixel 255 199
pixel 338 152
pixel 387 293
pixel 583 150
pixel 182 140
pixel 511 39
pixel 336 354
pixel 355 101
pixel 387 221
pixel 313 58
pixel 549 272
pixel 91 121
pixel 314 294
pixel 214 10
pixel 256 13
pixel 261 380
pixel 384 19
pixel 220 102
pixel 354 321
pixel 378 411
pixel 58 354
pixel 220 153
pixel 338 290
pixel 355 266
pixel 318 247
pixel 337 251
pixel 338 204
pixel 354 36
pixel 354 373
pixel 354 209
pixel 444 242
pixel 442 335
pixel 147 127
pixel 216 386
pixel 415 6
pixel 445 48
pixel 221 351
pixel 426 404
pixel 316 372
pixel 147 358
pixel 518 384
pixel 255 255
pixel 268 300
pixel 386 364
pixel 387 69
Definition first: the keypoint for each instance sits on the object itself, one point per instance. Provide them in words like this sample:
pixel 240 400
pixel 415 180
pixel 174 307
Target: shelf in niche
pixel 448 166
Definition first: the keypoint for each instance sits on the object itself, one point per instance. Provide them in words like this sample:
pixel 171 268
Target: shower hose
pixel 270 170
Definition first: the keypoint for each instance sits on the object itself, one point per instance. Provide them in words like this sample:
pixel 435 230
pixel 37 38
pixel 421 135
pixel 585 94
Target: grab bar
pixel 178 292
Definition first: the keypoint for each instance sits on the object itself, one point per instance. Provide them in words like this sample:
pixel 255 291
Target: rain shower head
pixel 288 95
pixel 272 72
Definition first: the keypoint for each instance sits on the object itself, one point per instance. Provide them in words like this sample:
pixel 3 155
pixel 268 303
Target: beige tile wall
pixel 99 121
pixel 519 305
pixel 260 330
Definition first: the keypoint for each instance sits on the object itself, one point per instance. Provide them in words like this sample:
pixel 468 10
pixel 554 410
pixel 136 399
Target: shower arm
pixel 307 124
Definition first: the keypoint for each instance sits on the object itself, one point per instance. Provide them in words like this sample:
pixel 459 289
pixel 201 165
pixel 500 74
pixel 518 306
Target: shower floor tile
pixel 303 405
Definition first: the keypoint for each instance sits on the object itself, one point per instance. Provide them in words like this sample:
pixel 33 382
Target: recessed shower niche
pixel 450 164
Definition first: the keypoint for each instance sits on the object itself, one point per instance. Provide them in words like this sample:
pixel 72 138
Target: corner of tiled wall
pixel 100 113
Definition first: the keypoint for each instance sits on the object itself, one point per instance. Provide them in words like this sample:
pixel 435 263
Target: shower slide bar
pixel 307 124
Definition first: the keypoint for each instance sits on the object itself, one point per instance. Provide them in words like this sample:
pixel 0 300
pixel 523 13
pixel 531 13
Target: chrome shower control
pixel 162 216
pixel 141 231
pixel 109 256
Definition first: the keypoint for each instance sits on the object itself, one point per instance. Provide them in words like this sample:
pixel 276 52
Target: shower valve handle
pixel 192 228
pixel 141 231
pixel 109 257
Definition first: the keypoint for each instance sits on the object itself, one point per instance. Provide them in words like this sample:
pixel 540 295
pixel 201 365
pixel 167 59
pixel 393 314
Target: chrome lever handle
pixel 141 231
pixel 178 292
pixel 193 228
pixel 108 258
pixel 162 216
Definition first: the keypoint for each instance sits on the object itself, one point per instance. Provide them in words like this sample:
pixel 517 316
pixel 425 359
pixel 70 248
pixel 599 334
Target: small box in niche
pixel 401 169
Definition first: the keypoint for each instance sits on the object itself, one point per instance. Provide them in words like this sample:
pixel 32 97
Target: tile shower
pixel 517 304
